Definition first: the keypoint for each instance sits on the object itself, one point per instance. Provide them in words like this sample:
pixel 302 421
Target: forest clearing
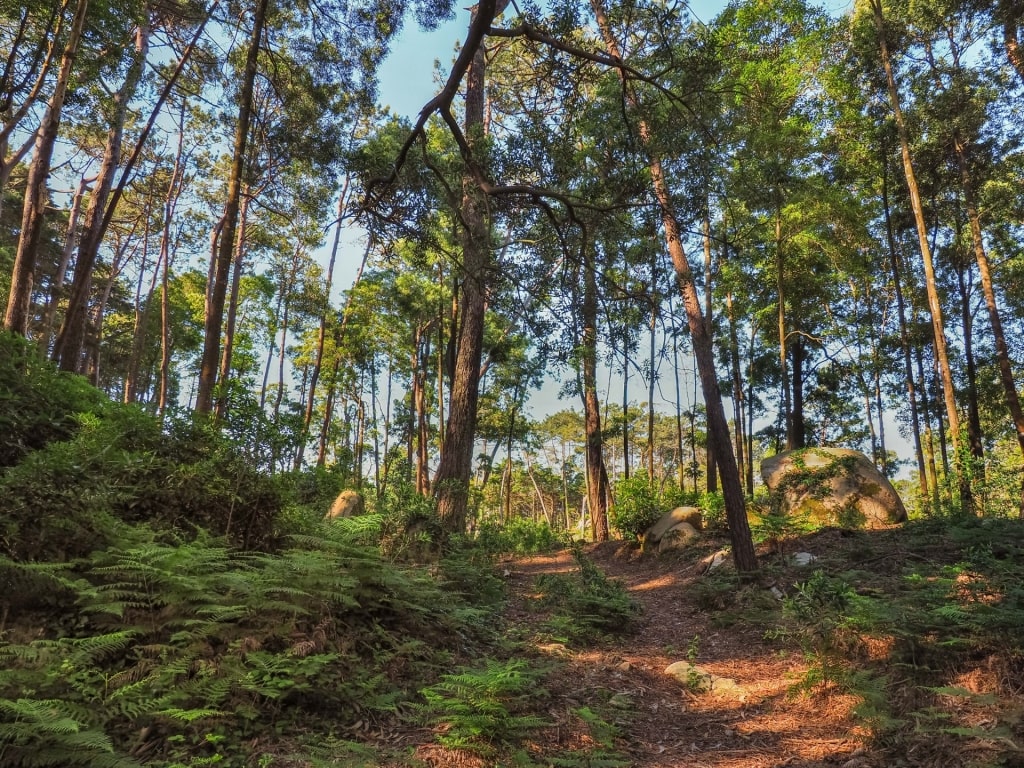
pixel 274 490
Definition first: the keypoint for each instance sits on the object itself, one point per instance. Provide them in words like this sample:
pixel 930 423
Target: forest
pixel 237 287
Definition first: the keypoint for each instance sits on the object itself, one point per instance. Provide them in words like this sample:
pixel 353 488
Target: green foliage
pixel 586 604
pixel 520 536
pixel 200 647
pixel 637 506
pixel 38 404
pixel 72 496
pixel 484 708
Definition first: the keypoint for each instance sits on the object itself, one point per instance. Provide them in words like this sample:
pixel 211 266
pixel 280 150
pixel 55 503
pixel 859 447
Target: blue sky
pixel 407 77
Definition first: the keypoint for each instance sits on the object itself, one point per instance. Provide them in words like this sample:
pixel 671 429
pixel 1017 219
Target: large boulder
pixel 677 537
pixel 832 486
pixel 670 520
pixel 348 504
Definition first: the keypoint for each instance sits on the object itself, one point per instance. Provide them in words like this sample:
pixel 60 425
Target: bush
pixel 38 403
pixel 520 537
pixel 65 500
pixel 637 506
pixel 587 603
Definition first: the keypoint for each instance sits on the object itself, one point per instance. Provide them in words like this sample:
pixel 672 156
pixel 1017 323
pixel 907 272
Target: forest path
pixel 661 723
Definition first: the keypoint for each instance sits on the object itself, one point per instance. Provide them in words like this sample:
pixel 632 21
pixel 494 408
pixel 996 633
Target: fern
pixel 483 708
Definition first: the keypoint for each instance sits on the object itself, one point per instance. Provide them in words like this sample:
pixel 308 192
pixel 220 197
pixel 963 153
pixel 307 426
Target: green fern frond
pixel 189 715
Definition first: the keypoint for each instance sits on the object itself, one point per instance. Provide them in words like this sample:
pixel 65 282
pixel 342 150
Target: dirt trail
pixel 665 725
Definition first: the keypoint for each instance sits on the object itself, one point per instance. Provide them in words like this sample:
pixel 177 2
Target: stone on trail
pixel 832 486
pixel 804 558
pixel 700 680
pixel 717 560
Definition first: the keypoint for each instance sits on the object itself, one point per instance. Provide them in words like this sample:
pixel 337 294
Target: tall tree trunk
pixel 70 243
pixel 680 456
pixel 798 353
pixel 307 416
pixel 625 405
pixel 1006 376
pixel 718 426
pixel 423 423
pixel 651 375
pixel 321 456
pixel 451 483
pixel 711 474
pixel 218 290
pixel 41 58
pixel 737 382
pixel 934 304
pixel 597 494
pixel 224 375
pixel 1011 14
pixel 67 350
pixel 133 374
pixel 780 325
pixel 908 365
pixel 19 299
pixel 174 190
pixel 974 434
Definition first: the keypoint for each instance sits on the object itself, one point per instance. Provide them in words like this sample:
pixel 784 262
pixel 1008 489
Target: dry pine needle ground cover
pixel 781 711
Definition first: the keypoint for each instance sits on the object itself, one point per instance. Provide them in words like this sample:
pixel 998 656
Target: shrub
pixel 520 536
pixel 637 506
pixel 38 403
pixel 484 708
pixel 192 652
pixel 64 500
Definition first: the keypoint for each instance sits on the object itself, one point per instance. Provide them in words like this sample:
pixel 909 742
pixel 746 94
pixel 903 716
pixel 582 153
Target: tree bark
pixel 70 243
pixel 224 374
pixel 451 484
pixel 711 473
pixel 1011 13
pixel 901 309
pixel 1006 376
pixel 67 351
pixel 19 299
pixel 597 493
pixel 934 304
pixel 218 290
pixel 42 58
pixel 307 416
pixel 718 426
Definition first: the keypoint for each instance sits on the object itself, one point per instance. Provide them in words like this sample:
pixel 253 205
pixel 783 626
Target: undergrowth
pixel 183 653
pixel 585 605
pixel 926 629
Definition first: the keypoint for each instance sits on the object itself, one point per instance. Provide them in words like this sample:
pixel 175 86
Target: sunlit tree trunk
pixel 42 58
pixel 737 383
pixel 908 365
pixel 67 349
pixel 934 304
pixel 451 484
pixel 19 299
pixel 1011 15
pixel 597 493
pixel 718 426
pixel 1006 376
pixel 217 292
pixel 711 471
pixel 224 374
pixel 70 244
pixel 307 416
